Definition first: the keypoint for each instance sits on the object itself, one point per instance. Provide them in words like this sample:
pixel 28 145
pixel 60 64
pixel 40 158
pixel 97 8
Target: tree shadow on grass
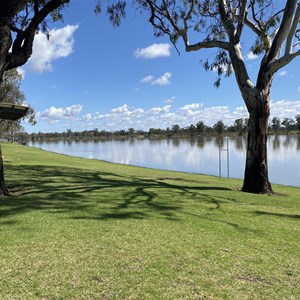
pixel 289 216
pixel 99 195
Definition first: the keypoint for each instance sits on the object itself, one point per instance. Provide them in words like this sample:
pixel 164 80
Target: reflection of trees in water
pixel 298 142
pixel 239 143
pixel 276 142
pixel 287 141
pixel 219 142
pixel 155 141
pixel 68 142
pixel 176 142
pixel 201 141
pixel 193 141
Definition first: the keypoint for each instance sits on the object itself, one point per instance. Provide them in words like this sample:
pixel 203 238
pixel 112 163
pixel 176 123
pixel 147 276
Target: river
pixel 204 155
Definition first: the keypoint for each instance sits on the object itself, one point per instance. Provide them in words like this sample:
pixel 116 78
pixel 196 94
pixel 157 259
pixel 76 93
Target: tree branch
pixel 283 31
pixel 253 26
pixel 185 20
pixel 283 61
pixel 160 26
pixel 289 40
pixel 22 46
pixel 208 44
pixel 226 20
pixel 16 29
pixel 241 19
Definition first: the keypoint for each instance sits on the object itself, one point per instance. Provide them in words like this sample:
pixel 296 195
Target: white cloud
pixel 163 80
pixel 121 109
pixel 282 73
pixel 192 106
pixel 54 114
pixel 87 117
pixel 158 110
pixel 45 50
pixel 22 72
pixel 124 117
pixel 170 100
pixel 284 109
pixel 153 51
pixel 251 56
pixel 147 79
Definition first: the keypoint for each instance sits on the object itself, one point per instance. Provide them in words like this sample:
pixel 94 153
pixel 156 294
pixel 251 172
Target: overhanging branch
pixel 291 35
pixel 241 19
pixel 22 46
pixel 284 30
pixel 207 45
pixel 283 61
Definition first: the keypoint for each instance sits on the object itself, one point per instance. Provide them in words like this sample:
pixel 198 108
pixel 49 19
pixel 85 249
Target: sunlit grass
pixel 86 229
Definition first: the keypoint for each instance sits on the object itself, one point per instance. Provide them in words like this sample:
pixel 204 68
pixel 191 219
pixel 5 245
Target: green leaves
pixel 221 64
pixel 116 12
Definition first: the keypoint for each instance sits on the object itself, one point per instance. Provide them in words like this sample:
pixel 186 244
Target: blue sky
pixel 91 75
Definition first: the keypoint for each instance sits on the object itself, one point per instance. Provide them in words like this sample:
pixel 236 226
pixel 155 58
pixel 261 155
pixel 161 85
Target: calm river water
pixel 206 155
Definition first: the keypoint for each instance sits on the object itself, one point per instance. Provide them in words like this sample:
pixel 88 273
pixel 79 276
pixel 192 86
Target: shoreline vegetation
pixel 85 229
pixel 91 135
pixel 239 128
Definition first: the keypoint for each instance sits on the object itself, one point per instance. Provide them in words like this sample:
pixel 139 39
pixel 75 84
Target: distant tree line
pixel 240 127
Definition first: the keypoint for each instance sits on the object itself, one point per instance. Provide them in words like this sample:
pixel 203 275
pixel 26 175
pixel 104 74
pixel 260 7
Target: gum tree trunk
pixel 3 189
pixel 256 178
pixel 257 100
pixel 5 44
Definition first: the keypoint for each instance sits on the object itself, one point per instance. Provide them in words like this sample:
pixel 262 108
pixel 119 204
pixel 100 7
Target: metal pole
pixel 220 169
pixel 227 160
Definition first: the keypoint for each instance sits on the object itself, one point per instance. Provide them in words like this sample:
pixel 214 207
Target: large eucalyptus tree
pixel 225 25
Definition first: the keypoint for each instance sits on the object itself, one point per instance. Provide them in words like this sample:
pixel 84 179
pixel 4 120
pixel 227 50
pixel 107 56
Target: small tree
pixel 239 125
pixel 192 129
pixel 176 129
pixel 220 24
pixel 298 121
pixel 288 124
pixel 219 127
pixel 276 124
pixel 200 127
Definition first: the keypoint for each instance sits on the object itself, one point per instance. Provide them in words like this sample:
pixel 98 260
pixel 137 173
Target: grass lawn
pixel 86 229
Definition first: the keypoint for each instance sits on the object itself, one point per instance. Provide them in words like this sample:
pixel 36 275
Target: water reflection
pixel 195 155
pixel 276 142
pixel 240 143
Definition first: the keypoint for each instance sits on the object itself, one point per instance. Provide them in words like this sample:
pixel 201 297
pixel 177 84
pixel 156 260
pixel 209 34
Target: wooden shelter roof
pixel 14 112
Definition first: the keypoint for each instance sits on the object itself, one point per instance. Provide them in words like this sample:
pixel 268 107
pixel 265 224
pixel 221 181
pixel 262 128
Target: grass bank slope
pixel 86 229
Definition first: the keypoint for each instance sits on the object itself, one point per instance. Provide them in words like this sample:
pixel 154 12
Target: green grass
pixel 86 229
